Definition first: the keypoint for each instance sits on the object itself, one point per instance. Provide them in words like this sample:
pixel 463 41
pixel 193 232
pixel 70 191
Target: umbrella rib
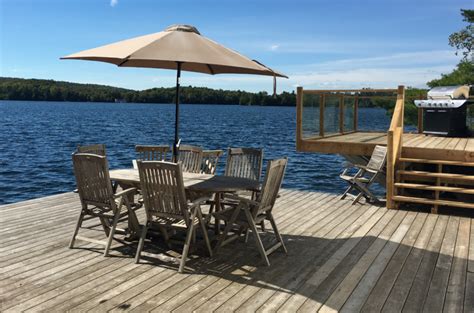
pixel 121 63
pixel 210 69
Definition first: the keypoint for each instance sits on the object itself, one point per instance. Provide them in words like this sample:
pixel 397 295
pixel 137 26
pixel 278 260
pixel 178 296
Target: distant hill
pixel 51 90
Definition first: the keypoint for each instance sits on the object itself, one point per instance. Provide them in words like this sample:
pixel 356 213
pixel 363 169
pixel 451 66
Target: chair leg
pixel 275 230
pixel 357 198
pixel 76 230
pixel 112 233
pixel 227 228
pixel 204 232
pixel 187 243
pixel 141 242
pixel 247 233
pixel 258 241
pixel 346 192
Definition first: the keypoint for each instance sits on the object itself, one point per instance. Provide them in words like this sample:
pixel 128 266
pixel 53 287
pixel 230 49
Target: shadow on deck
pixel 341 257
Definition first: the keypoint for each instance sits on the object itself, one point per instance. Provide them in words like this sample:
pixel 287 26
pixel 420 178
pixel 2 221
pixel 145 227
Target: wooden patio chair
pixel 244 163
pixel 365 176
pixel 98 199
pixel 98 149
pixel 152 153
pixel 210 158
pixel 247 213
pixel 190 158
pixel 166 205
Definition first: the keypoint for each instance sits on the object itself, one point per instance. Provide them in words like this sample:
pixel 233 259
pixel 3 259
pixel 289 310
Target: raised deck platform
pixel 341 257
pixel 414 145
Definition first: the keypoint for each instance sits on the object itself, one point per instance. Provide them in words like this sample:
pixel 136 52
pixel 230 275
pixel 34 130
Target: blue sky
pixel 319 44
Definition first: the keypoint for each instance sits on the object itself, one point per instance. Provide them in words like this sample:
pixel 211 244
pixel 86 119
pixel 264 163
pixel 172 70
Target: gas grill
pixel 445 111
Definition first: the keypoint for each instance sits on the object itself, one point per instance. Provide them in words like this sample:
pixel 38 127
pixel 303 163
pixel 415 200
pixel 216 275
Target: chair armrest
pixel 125 192
pixel 347 164
pixel 199 201
pixel 365 168
pixel 240 199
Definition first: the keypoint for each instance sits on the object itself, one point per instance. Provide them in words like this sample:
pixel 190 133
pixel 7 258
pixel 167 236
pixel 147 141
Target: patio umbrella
pixel 180 48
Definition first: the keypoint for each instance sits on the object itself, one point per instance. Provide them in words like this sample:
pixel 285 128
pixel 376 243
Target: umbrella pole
pixel 176 123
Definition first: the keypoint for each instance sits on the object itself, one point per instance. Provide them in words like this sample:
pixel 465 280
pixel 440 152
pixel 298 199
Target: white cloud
pixel 274 47
pixel 383 71
pixel 113 3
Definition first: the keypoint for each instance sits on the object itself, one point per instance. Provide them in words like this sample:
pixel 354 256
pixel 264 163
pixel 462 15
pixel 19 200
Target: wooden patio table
pixel 197 183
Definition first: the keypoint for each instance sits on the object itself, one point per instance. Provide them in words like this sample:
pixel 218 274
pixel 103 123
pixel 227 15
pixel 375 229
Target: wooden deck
pixel 414 145
pixel 341 257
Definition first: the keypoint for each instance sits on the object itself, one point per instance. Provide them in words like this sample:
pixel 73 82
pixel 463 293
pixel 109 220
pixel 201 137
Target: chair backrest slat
pixel 152 153
pixel 190 158
pixel 163 189
pixel 210 158
pixel 93 180
pixel 244 163
pixel 378 158
pixel 271 185
pixel 98 149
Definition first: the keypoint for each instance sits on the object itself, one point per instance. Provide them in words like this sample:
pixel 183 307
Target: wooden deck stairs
pixel 421 170
pixel 434 183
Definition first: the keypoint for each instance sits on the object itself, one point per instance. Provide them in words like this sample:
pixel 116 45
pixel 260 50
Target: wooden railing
pixel 351 95
pixel 394 144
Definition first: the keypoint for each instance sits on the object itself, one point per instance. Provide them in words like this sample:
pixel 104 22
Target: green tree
pixel 463 40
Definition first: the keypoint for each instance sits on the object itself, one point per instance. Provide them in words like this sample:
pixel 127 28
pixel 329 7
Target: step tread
pixel 430 161
pixel 458 204
pixel 440 175
pixel 435 188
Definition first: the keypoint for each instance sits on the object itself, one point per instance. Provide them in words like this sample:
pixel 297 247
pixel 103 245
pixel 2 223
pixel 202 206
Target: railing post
pixel 356 111
pixel 420 120
pixel 390 171
pixel 321 114
pixel 401 92
pixel 341 114
pixel 299 117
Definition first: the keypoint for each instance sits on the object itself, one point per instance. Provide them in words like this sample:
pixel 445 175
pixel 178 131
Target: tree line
pixel 51 90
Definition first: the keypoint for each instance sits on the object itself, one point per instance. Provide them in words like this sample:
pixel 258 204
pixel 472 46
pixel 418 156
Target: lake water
pixel 37 139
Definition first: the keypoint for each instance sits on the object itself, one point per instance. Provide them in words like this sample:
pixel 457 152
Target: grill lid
pixel 450 97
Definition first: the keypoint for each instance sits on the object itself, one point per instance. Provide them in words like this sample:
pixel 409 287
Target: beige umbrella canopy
pixel 179 47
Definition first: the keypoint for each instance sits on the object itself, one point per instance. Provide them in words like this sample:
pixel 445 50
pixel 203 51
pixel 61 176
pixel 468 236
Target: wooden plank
pixel 329 228
pixel 302 229
pixel 439 281
pixel 40 276
pixel 435 188
pixel 404 280
pixel 434 202
pixel 314 292
pixel 419 288
pixel 436 175
pixel 406 233
pixel 461 144
pixel 392 232
pixel 470 265
pixel 469 299
pixel 444 162
pixel 299 117
pixel 139 301
pixel 322 102
pixel 297 276
pixel 457 279
pixel 350 91
pixel 386 281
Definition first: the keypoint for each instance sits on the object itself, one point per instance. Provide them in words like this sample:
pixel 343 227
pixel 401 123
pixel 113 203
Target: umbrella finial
pixel 182 28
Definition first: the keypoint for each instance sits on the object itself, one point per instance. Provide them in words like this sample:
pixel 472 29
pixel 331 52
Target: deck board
pixel 414 145
pixel 341 257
